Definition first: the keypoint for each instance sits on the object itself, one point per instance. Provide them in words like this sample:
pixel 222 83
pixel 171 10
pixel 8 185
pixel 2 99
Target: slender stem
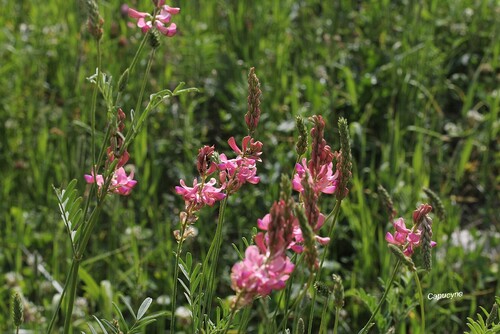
pixel 298 299
pixel 421 300
pixel 209 267
pixel 323 324
pixel 288 291
pixel 176 277
pixel 333 216
pixel 337 315
pixel 144 81
pixel 388 287
pixel 231 316
pixel 58 307
pixel 71 294
pixel 138 52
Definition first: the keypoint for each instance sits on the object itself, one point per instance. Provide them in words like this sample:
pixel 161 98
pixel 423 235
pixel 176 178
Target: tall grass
pixel 417 81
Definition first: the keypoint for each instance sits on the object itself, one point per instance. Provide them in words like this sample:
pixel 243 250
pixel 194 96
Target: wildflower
pixel 251 149
pixel 406 238
pixel 203 163
pixel 324 182
pixel 145 21
pixel 200 194
pixel 121 183
pixel 258 275
pixel 236 172
pixel 266 266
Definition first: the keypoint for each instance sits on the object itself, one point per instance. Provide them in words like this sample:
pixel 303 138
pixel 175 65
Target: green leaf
pixel 92 329
pixel 100 325
pixel 144 307
pixel 124 300
pixel 122 318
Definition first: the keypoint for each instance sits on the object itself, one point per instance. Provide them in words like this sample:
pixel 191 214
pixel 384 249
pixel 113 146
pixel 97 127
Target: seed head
pixel 17 310
pixel 254 93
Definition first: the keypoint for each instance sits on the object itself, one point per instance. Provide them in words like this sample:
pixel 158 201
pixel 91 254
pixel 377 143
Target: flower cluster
pixel 232 174
pixel 316 177
pixel 160 21
pixel 120 182
pixel 408 239
pixel 266 267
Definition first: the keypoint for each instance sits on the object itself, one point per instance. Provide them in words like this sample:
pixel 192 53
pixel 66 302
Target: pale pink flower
pixel 121 183
pixel 200 194
pixel 145 21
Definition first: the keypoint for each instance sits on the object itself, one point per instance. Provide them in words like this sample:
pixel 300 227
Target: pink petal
pixel 136 14
pixel 232 144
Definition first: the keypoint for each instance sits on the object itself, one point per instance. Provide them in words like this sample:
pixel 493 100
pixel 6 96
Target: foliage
pixel 417 81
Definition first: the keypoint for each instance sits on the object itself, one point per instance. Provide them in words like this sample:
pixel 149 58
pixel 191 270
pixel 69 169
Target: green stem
pixel 337 315
pixel 209 268
pixel 323 324
pixel 333 216
pixel 384 296
pixel 421 300
pixel 231 316
pixel 297 300
pixel 71 293
pixel 94 106
pixel 176 277
pixel 139 118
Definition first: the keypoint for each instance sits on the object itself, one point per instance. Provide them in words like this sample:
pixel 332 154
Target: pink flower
pixel 145 21
pixel 406 238
pixel 121 183
pixel 200 194
pixel 251 149
pixel 420 212
pixel 325 181
pixel 258 275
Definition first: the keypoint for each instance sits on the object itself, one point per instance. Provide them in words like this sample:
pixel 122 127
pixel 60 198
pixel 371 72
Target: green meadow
pixel 417 81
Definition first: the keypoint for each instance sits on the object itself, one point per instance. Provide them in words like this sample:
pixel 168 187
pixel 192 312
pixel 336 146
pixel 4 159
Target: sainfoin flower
pixel 266 267
pixel 121 183
pixel 404 237
pixel 200 194
pixel 233 173
pixel 161 21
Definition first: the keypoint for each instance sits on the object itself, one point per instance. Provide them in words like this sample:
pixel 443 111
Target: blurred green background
pixel 418 82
